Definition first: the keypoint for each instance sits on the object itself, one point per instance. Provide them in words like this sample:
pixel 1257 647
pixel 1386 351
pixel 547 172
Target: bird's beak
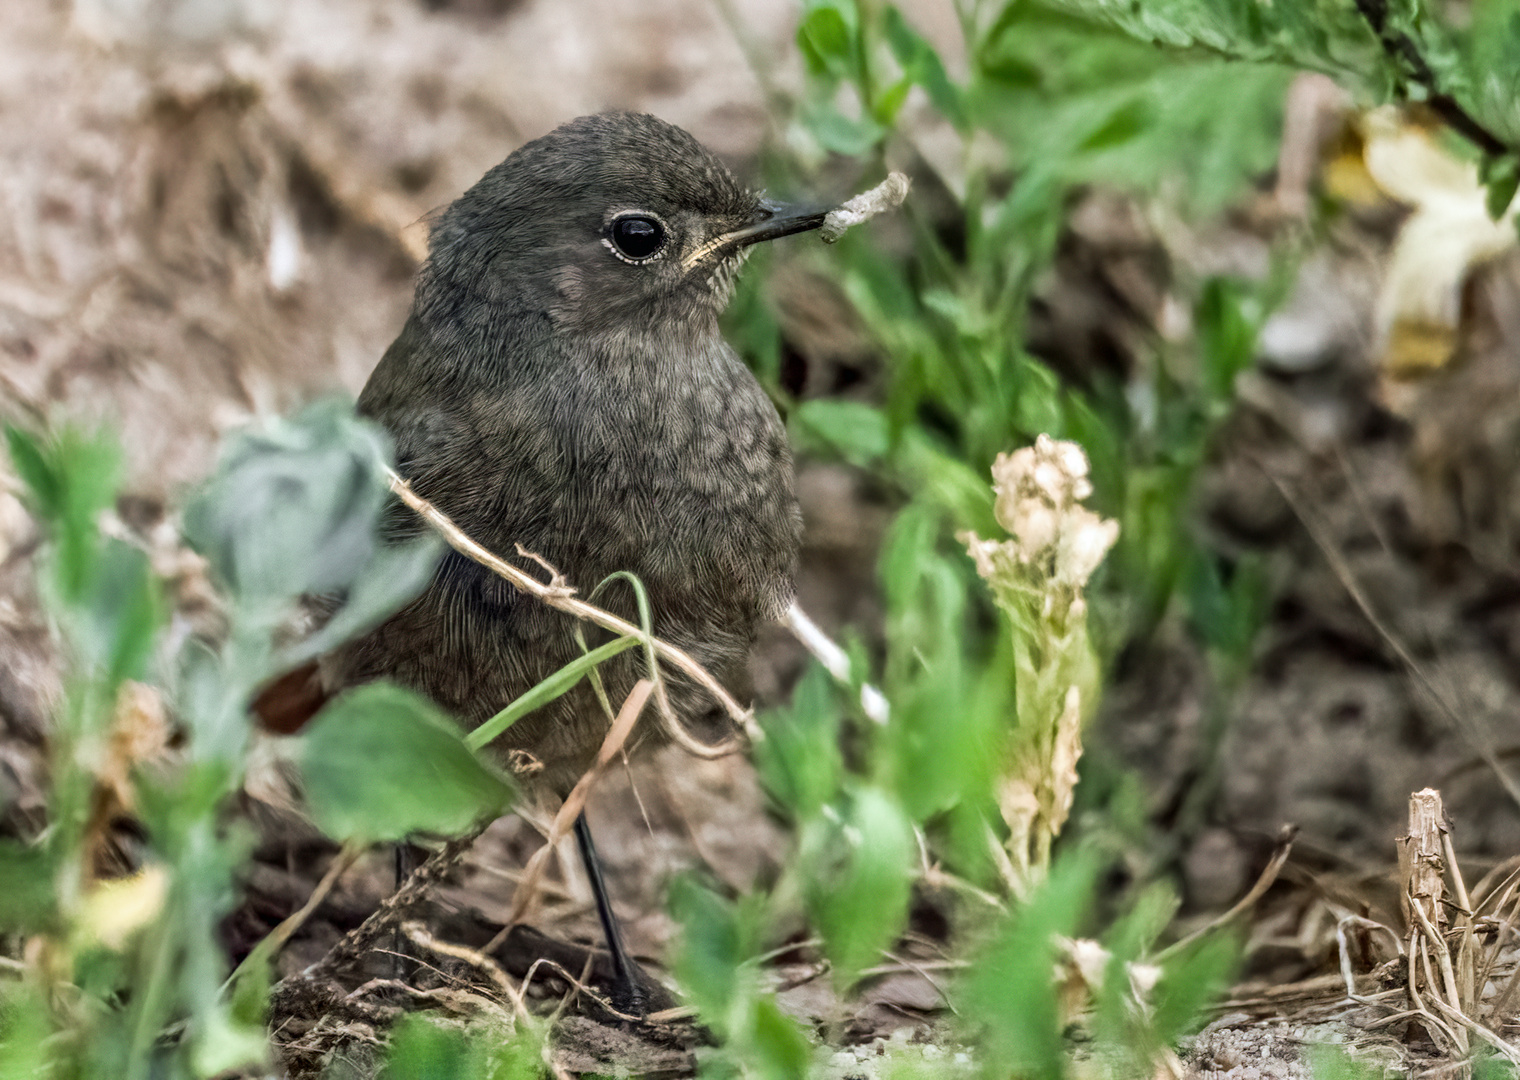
pixel 772 220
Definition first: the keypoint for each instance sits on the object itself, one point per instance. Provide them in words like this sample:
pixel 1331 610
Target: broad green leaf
pixel 381 762
pixel 855 431
pixel 294 507
pixel 858 870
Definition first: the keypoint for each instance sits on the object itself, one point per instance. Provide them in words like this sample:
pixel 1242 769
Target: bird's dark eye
pixel 637 237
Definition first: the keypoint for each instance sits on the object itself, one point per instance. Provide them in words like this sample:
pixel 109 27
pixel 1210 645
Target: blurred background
pixel 1258 265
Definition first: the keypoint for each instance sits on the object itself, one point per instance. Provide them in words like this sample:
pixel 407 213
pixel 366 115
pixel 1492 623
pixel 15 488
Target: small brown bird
pixel 561 384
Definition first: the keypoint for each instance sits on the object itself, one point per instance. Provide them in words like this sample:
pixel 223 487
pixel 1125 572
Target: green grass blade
pixel 552 687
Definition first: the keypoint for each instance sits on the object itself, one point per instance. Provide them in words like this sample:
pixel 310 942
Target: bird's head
pixel 618 220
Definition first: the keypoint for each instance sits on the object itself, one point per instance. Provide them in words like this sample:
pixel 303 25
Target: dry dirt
pixel 213 211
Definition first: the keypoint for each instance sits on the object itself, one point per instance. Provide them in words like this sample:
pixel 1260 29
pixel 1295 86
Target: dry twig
pixel 560 596
pixel 1264 882
pixel 362 938
pixel 575 802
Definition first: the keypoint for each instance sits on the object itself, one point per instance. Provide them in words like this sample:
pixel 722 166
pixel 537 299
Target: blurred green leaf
pixel 25 1053
pixel 424 1048
pixel 922 65
pixel 858 869
pixel 1189 982
pixel 799 759
pixel 855 431
pixel 1329 1062
pixel 713 960
pixel 125 609
pixel 393 575
pixel 44 485
pixel 829 37
pixel 71 478
pixel 1130 937
pixel 1227 612
pixel 381 762
pixel 1007 993
pixel 293 508
pixel 26 887
pixel 1228 318
pixel 711 947
pixel 781 1050
pixel 1501 176
pixel 837 132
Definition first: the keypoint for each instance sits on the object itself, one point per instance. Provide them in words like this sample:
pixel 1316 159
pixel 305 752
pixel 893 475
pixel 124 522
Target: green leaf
pixel 381 762
pixel 858 870
pixel 710 949
pixel 855 431
pixel 1501 176
pixel 1007 994
pixel 799 759
pixel 829 37
pixel 838 133
pixel 424 1050
pixel 889 102
pixel 71 477
pixel 44 486
pixel 26 887
pixel 393 575
pixel 1228 318
pixel 126 609
pixel 555 686
pixel 781 1050
pixel 1227 605
pixel 922 65
pixel 294 508
pixel 25 1028
pixel 1189 983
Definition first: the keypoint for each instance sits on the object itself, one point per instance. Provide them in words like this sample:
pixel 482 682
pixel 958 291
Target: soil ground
pixel 213 211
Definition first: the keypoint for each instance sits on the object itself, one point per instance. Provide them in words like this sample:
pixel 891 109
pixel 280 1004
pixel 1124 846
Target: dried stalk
pixel 1264 882
pixel 268 948
pixel 575 802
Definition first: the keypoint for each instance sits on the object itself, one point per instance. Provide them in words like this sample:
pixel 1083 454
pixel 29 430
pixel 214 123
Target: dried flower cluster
pixel 1038 577
pixel 1057 542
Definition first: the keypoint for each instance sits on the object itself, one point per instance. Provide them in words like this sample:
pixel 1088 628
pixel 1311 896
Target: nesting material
pixel 887 195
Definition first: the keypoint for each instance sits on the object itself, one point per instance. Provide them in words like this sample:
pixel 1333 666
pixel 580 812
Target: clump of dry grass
pixel 1455 942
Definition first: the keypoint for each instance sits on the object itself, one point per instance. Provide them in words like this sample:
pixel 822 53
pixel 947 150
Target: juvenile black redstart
pixel 561 384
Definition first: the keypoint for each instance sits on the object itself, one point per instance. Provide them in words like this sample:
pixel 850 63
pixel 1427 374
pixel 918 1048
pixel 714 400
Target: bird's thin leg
pixel 627 994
